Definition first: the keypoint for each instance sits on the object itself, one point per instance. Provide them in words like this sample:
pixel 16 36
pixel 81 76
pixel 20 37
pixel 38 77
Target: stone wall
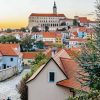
pixel 7 73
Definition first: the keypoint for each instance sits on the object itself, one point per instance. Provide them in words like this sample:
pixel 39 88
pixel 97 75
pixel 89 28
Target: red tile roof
pixel 49 34
pixel 48 52
pixel 78 40
pixel 47 15
pixel 75 33
pixel 73 72
pixel 82 29
pixel 83 19
pixel 70 68
pixel 9 49
pixel 29 55
pixel 48 43
pixel 69 83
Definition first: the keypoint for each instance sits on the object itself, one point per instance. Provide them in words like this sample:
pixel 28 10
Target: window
pixel 51 76
pixel 4 66
pixel 11 59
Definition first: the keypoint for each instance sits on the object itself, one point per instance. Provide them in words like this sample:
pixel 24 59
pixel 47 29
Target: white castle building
pixel 41 21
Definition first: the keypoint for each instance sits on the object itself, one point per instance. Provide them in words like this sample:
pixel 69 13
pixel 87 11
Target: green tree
pixel 63 24
pixel 75 23
pixel 35 29
pixel 9 30
pixel 23 89
pixel 40 44
pixel 8 39
pixel 90 57
pixel 90 61
pixel 39 60
pixel 27 43
pixel 23 29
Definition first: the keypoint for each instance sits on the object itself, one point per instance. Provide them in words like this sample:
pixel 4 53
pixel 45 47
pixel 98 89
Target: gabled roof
pixel 70 69
pixel 41 68
pixel 47 15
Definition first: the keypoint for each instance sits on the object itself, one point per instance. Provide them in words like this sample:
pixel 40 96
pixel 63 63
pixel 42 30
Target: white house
pixel 76 42
pixel 55 80
pixel 49 37
pixel 10 56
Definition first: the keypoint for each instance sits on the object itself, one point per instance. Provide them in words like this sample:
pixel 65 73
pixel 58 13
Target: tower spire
pixel 54 8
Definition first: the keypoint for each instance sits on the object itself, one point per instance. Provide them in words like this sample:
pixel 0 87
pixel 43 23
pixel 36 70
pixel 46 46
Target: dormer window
pixel 51 76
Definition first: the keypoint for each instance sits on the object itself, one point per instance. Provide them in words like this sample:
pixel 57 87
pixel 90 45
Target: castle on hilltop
pixel 51 21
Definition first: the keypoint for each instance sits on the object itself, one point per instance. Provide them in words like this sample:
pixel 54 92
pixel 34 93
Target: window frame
pixel 49 76
pixel 11 59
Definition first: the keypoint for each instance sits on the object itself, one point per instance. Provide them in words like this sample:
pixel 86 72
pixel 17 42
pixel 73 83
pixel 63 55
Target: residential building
pixel 10 56
pixel 76 42
pixel 29 57
pixel 84 21
pixel 59 39
pixel 38 36
pixel 56 80
pixel 66 22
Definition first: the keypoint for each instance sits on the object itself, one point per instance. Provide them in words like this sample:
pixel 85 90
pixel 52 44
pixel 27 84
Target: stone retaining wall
pixel 7 73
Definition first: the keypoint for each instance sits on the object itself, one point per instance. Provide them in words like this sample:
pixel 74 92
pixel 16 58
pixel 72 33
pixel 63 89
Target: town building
pixel 56 80
pixel 10 60
pixel 51 21
pixel 28 57
pixel 84 21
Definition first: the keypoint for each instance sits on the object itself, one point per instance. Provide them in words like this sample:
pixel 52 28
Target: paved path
pixel 8 87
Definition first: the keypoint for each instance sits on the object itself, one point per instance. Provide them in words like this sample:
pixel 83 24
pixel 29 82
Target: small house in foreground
pixel 56 79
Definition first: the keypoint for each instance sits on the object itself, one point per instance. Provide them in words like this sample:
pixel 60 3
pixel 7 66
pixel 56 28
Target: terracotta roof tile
pixel 73 84
pixel 9 49
pixel 78 40
pixel 47 15
pixel 83 19
pixel 49 35
pixel 75 33
pixel 82 29
pixel 29 55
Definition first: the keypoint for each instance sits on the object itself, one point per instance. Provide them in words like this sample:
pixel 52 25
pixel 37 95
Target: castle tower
pixel 54 8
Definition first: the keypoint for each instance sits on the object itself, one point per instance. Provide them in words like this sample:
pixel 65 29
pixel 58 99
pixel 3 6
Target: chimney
pixel 54 51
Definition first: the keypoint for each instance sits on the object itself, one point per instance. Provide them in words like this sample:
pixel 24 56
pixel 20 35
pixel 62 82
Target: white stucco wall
pixel 49 39
pixel 41 89
pixel 39 21
pixel 6 60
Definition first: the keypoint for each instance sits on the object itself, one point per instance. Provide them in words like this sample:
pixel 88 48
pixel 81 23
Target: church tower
pixel 54 8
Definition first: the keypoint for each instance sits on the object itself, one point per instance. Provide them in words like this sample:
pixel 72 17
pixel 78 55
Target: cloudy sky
pixel 15 13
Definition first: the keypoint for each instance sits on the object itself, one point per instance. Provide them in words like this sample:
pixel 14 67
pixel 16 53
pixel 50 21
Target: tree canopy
pixel 8 39
pixel 27 43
